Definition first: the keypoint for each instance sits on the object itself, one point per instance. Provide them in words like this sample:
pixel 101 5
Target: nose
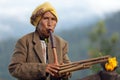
pixel 49 22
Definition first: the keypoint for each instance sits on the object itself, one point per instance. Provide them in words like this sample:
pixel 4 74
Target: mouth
pixel 50 30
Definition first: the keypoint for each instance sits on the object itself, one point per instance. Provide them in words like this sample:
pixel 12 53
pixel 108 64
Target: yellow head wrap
pixel 40 10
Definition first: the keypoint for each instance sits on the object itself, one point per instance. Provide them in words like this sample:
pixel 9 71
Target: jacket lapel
pixel 37 47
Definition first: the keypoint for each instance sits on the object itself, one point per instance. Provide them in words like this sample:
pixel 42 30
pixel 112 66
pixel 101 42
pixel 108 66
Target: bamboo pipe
pixel 85 61
pixel 84 64
pixel 53 48
pixel 81 66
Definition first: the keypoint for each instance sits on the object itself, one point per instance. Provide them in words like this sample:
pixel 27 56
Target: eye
pixel 45 18
pixel 54 19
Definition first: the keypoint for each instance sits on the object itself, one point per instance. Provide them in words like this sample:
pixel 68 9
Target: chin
pixel 46 35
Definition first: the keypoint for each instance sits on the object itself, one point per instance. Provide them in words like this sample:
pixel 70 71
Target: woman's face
pixel 48 21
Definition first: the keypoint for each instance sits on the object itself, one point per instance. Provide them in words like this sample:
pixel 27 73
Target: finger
pixel 53 70
pixel 61 63
pixel 50 72
pixel 54 67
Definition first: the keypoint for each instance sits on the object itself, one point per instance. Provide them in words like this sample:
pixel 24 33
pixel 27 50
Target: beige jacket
pixel 27 62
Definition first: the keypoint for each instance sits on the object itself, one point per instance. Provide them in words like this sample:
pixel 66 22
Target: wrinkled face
pixel 48 21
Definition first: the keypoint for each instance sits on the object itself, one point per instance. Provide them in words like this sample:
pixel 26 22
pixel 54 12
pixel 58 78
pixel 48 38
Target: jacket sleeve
pixel 66 60
pixel 18 66
pixel 65 55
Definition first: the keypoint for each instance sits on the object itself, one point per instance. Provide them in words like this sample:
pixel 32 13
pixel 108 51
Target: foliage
pixel 101 44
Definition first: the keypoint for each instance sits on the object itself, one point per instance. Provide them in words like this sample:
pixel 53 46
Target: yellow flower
pixel 111 64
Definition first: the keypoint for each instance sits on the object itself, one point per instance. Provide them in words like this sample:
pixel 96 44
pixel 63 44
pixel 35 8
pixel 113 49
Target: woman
pixel 32 58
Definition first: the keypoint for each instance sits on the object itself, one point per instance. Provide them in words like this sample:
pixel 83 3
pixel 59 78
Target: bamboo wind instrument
pixel 53 48
pixel 83 64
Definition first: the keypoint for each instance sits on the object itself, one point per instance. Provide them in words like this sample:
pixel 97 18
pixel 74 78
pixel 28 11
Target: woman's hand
pixel 52 69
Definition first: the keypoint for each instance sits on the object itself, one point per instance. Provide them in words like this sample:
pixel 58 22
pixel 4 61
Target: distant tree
pixel 101 44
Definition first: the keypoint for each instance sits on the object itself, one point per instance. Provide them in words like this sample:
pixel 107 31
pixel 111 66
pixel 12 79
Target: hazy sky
pixel 20 10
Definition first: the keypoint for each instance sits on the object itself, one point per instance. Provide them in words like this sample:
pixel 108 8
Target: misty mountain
pixel 113 23
pixel 11 27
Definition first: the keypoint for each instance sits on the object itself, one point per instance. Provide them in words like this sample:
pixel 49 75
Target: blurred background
pixel 91 28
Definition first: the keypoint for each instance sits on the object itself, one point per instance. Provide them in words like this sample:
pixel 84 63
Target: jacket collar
pixel 38 48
